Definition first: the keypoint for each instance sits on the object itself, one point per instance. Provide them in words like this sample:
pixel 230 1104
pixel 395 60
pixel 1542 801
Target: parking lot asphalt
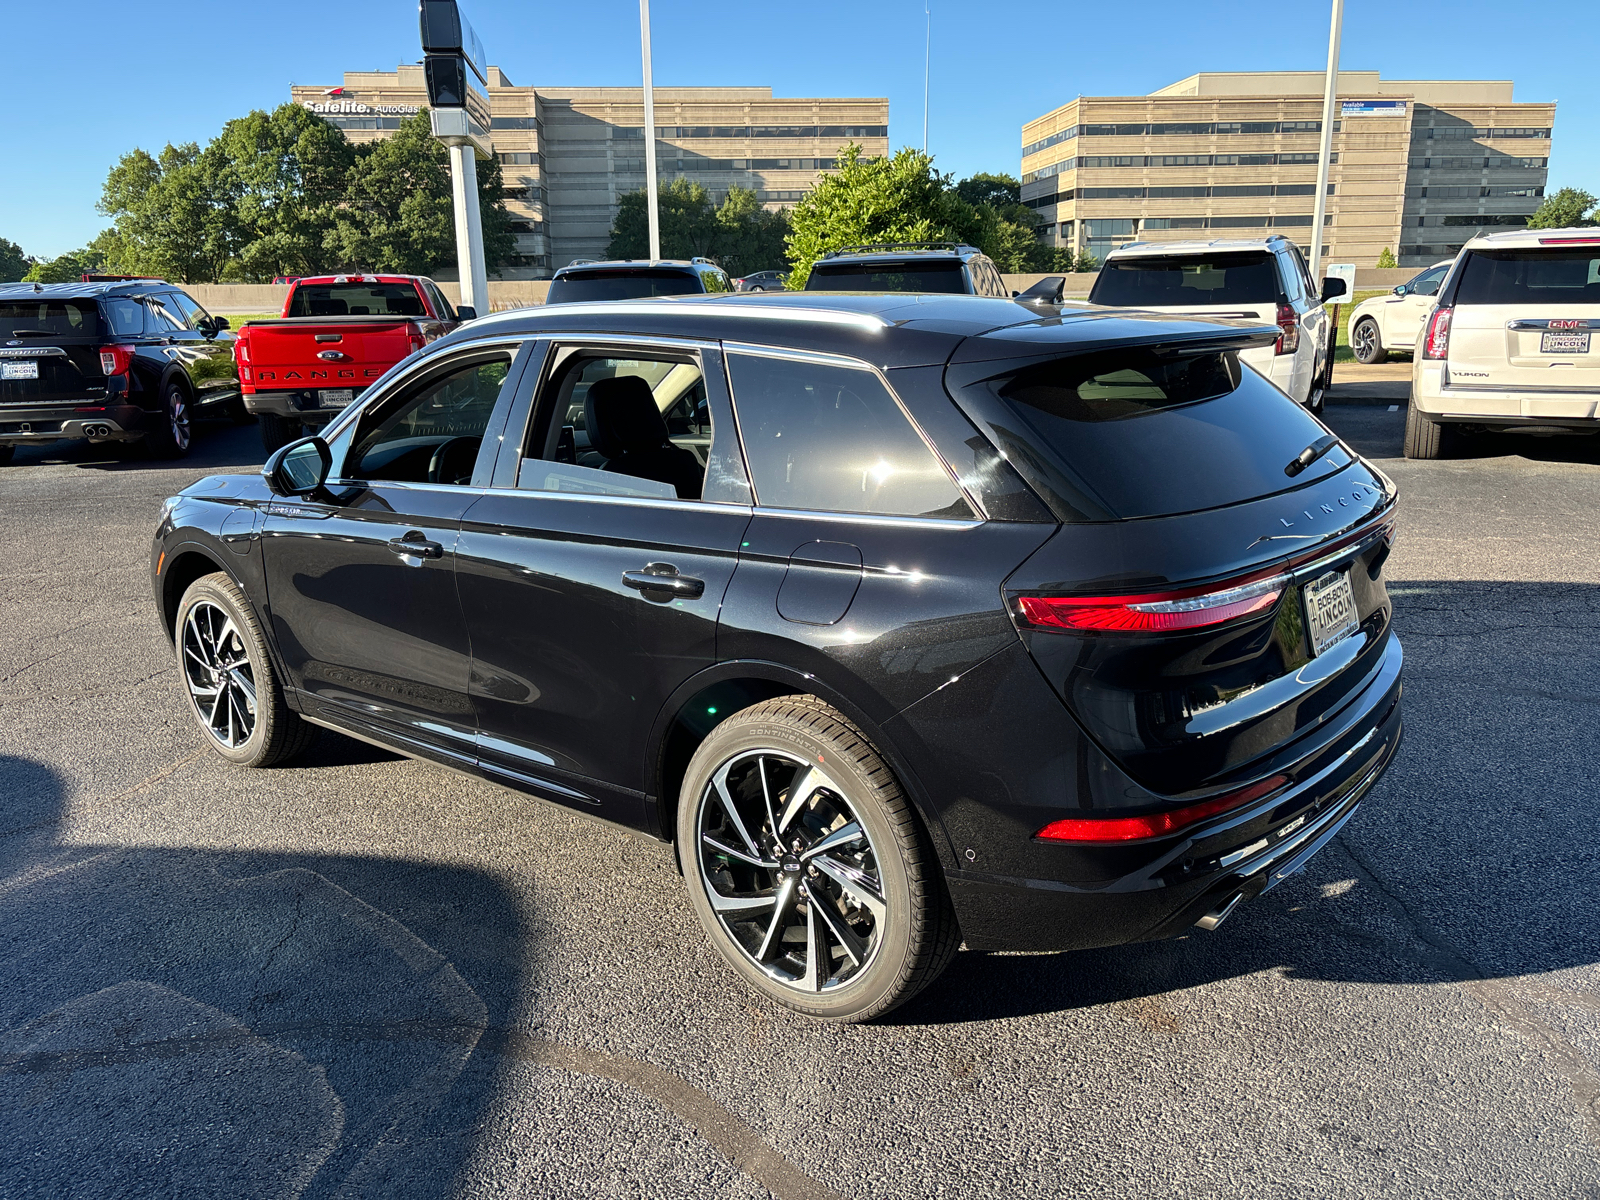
pixel 363 975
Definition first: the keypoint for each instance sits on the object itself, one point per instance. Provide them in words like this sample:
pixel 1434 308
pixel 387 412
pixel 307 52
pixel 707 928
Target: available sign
pixel 353 108
pixel 1372 108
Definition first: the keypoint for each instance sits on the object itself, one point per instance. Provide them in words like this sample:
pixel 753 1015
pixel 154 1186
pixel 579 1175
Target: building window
pixel 1055 139
pixel 513 122
pixel 519 158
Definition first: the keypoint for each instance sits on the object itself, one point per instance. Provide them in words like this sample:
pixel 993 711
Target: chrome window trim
pixel 406 486
pixel 809 514
pixel 590 498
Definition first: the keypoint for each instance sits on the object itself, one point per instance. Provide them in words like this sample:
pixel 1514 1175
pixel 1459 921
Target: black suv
pixel 112 362
pixel 943 620
pixel 625 279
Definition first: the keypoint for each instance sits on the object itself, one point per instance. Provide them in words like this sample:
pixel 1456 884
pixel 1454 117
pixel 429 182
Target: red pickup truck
pixel 337 335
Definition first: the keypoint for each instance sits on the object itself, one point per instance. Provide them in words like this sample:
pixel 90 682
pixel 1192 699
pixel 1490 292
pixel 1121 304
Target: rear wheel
pixel 277 432
pixel 173 431
pixel 1428 439
pixel 1366 343
pixel 233 694
pixel 808 867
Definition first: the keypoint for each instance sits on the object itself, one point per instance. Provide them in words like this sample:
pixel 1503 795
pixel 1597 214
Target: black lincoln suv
pixel 127 361
pixel 932 619
pixel 625 279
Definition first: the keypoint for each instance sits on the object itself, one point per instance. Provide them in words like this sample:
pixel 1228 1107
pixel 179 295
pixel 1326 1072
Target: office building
pixel 568 154
pixel 1417 166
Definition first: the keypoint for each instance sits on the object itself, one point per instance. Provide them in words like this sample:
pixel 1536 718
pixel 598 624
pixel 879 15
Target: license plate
pixel 1330 610
pixel 19 370
pixel 335 397
pixel 1564 343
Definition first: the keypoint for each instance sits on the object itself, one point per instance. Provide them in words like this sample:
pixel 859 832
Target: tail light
pixel 1288 331
pixel 115 360
pixel 1154 612
pixel 416 341
pixel 1159 824
pixel 1436 339
pixel 241 350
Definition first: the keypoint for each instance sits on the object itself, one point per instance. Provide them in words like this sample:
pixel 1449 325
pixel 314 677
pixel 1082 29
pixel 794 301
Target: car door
pixel 1403 315
pixel 591 593
pixel 361 578
pixel 206 351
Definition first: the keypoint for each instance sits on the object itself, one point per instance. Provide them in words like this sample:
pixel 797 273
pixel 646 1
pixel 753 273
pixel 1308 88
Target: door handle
pixel 664 577
pixel 416 545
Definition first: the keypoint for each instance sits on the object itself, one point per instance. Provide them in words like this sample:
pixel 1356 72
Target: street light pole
pixel 651 198
pixel 927 59
pixel 1329 94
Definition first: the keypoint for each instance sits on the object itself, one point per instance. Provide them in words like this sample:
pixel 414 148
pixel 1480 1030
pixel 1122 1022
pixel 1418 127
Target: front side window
pixel 1427 284
pixel 831 437
pixel 191 312
pixel 431 433
pixel 164 317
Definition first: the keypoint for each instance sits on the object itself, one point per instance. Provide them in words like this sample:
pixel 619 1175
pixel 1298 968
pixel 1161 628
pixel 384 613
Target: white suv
pixel 1508 345
pixel 1251 278
pixel 1385 323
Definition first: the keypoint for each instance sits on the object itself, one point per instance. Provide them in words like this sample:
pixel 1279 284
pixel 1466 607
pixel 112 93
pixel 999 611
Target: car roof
pixel 1156 249
pixel 1519 239
pixel 79 291
pixel 886 329
pixel 675 265
pixel 900 252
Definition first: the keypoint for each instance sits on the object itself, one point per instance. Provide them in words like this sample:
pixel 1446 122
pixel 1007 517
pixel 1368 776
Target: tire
pixel 1366 343
pixel 234 695
pixel 887 930
pixel 173 432
pixel 6 453
pixel 277 432
pixel 1317 401
pixel 1428 439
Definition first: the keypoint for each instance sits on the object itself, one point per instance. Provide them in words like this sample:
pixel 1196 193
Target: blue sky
pixel 101 78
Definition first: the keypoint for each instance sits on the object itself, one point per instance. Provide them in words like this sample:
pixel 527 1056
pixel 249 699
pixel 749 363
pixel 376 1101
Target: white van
pixel 1508 347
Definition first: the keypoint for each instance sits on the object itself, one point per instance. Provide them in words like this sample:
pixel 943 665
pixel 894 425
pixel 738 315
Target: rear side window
pixel 126 317
pixel 355 300
pixel 943 276
pixel 1244 278
pixel 1531 277
pixel 1131 433
pixel 832 438
pixel 48 318
pixel 622 285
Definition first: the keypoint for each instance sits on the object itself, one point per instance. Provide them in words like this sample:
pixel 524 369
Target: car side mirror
pixel 1400 290
pixel 1333 288
pixel 220 323
pixel 299 468
pixel 465 312
pixel 1047 291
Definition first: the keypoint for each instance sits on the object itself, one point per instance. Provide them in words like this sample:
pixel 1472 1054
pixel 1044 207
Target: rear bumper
pixel 52 423
pixel 1180 880
pixel 1434 393
pixel 296 406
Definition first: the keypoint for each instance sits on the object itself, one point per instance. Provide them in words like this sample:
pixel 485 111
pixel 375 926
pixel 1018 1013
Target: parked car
pixel 337 334
pixel 1248 279
pixel 625 279
pixel 939 267
pixel 948 621
pixel 126 361
pixel 761 281
pixel 1380 324
pixel 1508 346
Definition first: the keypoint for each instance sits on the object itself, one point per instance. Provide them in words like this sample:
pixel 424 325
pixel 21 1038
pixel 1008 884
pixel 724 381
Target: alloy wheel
pixel 790 872
pixel 178 418
pixel 1364 341
pixel 221 679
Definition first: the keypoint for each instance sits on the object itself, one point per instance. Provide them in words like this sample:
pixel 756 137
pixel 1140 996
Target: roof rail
pixel 701 258
pixel 892 247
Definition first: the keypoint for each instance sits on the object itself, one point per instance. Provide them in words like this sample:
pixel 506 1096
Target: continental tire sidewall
pixel 219 589
pixel 879 986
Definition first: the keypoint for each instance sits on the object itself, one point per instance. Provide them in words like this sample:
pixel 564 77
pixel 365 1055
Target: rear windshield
pixel 1134 433
pixel 622 285
pixel 944 276
pixel 1247 277
pixel 1531 276
pixel 356 300
pixel 48 318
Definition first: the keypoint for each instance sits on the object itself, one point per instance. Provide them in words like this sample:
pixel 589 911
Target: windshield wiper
pixel 34 333
pixel 1310 454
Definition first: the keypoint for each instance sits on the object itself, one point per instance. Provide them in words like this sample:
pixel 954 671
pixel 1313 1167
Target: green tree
pixel 13 262
pixel 173 215
pixel 1570 208
pixel 1386 259
pixel 738 234
pixel 1000 192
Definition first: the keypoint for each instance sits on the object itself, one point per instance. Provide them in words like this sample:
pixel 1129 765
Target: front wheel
pixel 1366 343
pixel 808 867
pixel 233 693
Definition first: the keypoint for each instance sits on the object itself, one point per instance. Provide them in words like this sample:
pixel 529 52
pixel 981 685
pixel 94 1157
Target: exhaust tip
pixel 1219 914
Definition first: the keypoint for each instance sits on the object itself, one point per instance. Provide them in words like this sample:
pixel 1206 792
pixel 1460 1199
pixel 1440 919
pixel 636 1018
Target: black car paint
pixel 902 624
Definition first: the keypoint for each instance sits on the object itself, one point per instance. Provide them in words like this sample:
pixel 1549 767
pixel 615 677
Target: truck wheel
pixel 1428 439
pixel 172 433
pixel 277 432
pixel 1366 343
pixel 807 865
pixel 233 693
pixel 5 454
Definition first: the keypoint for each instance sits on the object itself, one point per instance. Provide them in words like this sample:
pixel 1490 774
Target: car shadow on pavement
pixel 1475 858
pixel 205 1022
pixel 1376 432
pixel 218 445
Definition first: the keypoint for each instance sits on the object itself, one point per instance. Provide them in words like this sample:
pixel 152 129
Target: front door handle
pixel 664 577
pixel 417 545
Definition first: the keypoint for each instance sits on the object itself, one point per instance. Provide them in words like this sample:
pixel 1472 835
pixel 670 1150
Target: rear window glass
pixel 943 277
pixel 1130 433
pixel 622 285
pixel 1244 278
pixel 1531 277
pixel 356 300
pixel 48 318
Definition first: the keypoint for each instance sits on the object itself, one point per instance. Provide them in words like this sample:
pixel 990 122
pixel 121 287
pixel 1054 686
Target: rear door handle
pixel 416 545
pixel 664 577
